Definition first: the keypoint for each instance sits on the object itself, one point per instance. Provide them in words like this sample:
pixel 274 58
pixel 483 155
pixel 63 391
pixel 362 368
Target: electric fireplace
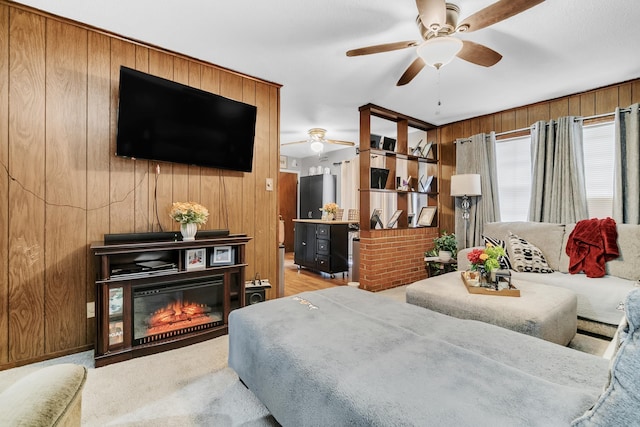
pixel 175 309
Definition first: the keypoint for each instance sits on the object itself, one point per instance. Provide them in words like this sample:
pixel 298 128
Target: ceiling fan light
pixel 439 51
pixel 316 146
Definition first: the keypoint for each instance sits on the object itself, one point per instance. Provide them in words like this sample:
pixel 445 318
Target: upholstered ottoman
pixel 542 311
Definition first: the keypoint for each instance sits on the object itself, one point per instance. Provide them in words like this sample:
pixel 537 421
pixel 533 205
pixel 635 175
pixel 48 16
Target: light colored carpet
pixel 189 386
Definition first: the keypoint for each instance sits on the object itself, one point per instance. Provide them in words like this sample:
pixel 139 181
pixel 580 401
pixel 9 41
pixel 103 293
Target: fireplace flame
pixel 174 316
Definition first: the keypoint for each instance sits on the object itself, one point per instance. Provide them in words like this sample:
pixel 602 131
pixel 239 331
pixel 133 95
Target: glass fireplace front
pixel 177 308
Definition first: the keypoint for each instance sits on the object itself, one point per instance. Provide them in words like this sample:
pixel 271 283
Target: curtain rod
pixel 577 119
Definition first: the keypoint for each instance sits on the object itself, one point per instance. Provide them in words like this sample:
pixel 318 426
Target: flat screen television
pixel 167 121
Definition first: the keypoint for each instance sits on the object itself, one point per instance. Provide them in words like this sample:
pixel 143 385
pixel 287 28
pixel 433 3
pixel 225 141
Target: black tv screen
pixel 167 121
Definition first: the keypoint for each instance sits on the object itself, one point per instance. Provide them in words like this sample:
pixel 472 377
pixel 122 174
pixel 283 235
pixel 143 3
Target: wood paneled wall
pixel 62 187
pixel 597 101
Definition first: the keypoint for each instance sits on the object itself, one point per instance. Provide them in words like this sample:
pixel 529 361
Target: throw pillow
pixel 619 402
pixel 527 258
pixel 505 263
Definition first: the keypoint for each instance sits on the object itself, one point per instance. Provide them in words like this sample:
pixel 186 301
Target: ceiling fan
pixel 438 22
pixel 317 140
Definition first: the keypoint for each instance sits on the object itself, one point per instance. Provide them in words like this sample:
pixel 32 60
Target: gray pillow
pixel 619 403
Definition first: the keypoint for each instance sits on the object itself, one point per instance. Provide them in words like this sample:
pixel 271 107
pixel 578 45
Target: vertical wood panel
pixel 65 257
pixel 606 100
pixel 635 91
pixel 538 112
pixel 251 190
pixel 624 94
pixel 559 108
pixel 210 180
pixel 143 169
pixel 27 191
pixel 274 143
pixel 574 106
pixel 587 104
pixel 98 153
pixel 161 65
pixel 231 87
pixel 122 173
pixel 181 172
pixel 4 183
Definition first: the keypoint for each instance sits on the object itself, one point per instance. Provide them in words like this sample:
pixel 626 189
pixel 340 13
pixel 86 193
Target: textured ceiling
pixel 558 47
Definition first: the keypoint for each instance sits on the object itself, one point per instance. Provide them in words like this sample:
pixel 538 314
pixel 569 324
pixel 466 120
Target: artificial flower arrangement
pixel 486 260
pixel 331 208
pixel 189 213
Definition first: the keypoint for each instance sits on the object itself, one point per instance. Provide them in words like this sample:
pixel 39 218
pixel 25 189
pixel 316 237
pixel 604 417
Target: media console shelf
pixel 156 295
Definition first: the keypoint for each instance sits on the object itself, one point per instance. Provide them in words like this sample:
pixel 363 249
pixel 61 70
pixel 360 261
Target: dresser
pixel 321 245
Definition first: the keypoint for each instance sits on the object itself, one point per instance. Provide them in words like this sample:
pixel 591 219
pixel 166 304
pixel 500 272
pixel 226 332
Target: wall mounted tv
pixel 167 121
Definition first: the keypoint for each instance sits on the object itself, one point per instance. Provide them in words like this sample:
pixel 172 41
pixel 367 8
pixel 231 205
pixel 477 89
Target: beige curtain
pixel 558 191
pixel 626 203
pixel 477 155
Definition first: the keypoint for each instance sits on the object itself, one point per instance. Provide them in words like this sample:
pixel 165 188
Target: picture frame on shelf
pixel 426 150
pixel 375 218
pixel 394 218
pixel 222 255
pixel 417 151
pixel 194 259
pixel 388 144
pixel 410 218
pixel 427 214
pixel 425 184
pixel 375 141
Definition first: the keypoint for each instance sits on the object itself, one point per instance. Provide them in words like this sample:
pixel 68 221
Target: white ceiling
pixel 558 47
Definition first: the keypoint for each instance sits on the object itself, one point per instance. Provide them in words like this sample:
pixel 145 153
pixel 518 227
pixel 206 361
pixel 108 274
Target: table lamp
pixel 465 186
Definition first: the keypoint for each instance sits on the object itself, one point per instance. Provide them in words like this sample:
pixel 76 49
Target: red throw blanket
pixel 592 243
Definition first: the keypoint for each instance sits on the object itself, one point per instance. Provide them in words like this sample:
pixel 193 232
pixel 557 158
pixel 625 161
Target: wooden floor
pixel 301 280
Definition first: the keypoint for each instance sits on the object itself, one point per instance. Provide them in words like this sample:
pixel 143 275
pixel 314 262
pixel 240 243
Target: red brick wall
pixel 393 258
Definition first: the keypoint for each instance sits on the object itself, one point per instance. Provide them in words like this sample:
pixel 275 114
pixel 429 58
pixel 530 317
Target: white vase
pixel 188 231
pixel 445 255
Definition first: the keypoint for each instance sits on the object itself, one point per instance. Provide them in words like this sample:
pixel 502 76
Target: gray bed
pixel 343 356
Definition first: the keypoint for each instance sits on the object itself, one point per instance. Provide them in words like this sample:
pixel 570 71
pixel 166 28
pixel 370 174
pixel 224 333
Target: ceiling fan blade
pixel 294 142
pixel 387 47
pixel 478 54
pixel 416 66
pixel 432 12
pixel 499 11
pixel 335 141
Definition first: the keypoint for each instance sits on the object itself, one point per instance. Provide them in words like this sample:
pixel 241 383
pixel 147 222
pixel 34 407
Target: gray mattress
pixel 343 356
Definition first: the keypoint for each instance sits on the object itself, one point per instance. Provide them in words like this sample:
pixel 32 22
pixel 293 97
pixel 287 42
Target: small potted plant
pixel 446 246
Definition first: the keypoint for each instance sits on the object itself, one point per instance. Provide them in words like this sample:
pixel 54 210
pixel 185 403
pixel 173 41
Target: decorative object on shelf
pixel 222 255
pixel 427 213
pixel 375 218
pixel 394 218
pixel 329 211
pixel 484 261
pixel 388 144
pixel 465 186
pixel 190 215
pixel 426 150
pixel 195 259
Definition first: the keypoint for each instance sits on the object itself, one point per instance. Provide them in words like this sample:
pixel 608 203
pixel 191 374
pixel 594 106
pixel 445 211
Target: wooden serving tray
pixel 511 292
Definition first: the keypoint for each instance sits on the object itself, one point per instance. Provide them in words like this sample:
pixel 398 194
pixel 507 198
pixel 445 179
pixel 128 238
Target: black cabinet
pixel 315 191
pixel 322 245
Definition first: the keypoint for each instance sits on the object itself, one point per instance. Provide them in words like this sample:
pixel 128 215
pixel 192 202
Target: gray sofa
pixel 344 356
pixel 599 299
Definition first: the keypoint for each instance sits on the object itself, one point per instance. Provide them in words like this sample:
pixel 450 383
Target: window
pixel 599 147
pixel 513 159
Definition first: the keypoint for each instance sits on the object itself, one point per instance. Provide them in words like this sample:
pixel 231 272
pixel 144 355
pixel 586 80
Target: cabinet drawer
pixel 322 247
pixel 323 231
pixel 323 263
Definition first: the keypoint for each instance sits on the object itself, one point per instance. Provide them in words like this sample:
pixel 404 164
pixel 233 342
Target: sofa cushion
pixel 505 263
pixel 626 265
pixel 527 257
pixel 546 236
pixel 619 404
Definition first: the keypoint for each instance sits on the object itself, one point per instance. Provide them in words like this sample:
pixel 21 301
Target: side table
pixel 435 266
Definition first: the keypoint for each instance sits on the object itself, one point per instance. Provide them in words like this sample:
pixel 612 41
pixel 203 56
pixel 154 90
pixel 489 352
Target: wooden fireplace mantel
pixel 124 267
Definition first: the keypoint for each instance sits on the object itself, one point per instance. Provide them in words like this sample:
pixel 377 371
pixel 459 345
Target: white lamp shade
pixel 439 51
pixel 316 146
pixel 465 185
